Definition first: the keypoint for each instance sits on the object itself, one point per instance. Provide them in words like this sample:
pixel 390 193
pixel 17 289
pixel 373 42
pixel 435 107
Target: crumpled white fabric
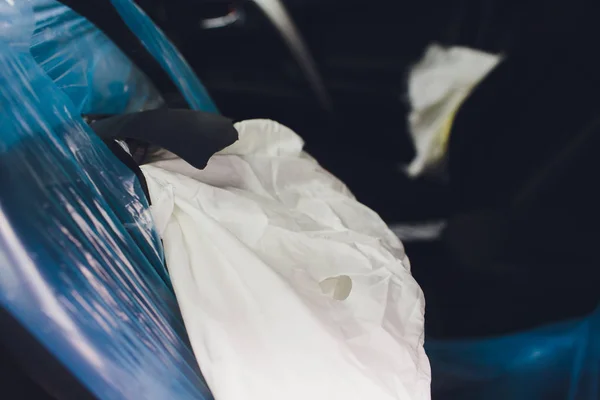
pixel 289 288
pixel 437 86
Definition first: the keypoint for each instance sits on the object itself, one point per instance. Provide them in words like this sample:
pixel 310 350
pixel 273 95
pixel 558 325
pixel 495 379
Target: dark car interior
pixel 505 234
pixel 518 200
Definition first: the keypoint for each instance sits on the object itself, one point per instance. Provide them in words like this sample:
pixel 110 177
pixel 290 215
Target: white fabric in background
pixel 290 289
pixel 437 86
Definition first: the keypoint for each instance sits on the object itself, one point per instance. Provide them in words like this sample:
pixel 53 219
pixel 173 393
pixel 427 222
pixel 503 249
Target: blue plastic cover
pixel 559 362
pixel 81 266
pixel 86 64
pixel 166 54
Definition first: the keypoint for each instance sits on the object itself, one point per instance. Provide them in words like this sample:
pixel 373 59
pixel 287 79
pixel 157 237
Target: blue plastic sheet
pixel 559 362
pixel 81 265
pixel 166 54
pixel 86 64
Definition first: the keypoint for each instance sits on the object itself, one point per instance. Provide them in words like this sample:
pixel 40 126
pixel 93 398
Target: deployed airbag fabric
pixel 437 86
pixel 289 287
